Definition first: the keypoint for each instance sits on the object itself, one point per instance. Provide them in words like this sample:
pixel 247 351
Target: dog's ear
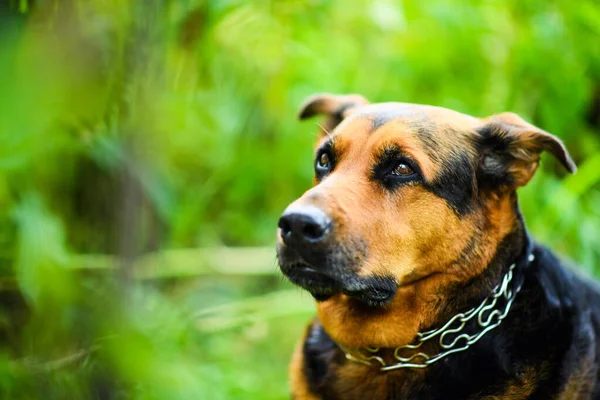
pixel 334 107
pixel 510 151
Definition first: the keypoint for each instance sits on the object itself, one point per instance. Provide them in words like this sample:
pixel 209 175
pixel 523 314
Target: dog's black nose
pixel 304 225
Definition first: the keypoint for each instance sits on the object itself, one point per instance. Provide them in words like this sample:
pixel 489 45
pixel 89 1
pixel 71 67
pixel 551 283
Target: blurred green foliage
pixel 127 128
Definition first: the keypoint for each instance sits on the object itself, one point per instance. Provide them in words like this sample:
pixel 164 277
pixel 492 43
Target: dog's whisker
pixel 325 130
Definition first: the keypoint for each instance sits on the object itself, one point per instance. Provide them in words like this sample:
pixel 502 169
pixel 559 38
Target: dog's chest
pixel 354 382
pixel 350 381
pixel 350 384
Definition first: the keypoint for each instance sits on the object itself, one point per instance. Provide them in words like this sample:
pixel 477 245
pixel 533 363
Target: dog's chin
pixel 373 291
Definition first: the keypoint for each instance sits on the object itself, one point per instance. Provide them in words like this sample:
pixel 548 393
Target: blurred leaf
pixel 41 257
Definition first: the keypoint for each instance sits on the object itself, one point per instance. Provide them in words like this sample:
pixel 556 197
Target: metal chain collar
pixel 447 341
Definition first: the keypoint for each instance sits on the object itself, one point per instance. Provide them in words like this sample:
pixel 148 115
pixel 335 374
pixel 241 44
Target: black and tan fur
pixel 401 254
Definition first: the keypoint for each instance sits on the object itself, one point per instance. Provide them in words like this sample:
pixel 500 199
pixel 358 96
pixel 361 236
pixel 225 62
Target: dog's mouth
pixel 316 282
pixel 375 291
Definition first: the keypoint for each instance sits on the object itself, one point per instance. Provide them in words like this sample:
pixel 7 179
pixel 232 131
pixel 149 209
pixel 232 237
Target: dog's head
pixel 408 200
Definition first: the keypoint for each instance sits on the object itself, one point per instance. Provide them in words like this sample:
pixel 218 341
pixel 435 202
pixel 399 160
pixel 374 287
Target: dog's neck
pixel 515 247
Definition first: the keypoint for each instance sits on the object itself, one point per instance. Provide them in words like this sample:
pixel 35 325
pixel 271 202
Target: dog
pixel 427 284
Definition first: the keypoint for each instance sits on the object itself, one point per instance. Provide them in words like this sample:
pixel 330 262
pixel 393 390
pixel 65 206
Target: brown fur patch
pixel 520 388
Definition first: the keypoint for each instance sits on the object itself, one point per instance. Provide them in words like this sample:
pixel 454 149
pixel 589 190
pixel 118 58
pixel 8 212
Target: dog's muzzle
pixel 313 255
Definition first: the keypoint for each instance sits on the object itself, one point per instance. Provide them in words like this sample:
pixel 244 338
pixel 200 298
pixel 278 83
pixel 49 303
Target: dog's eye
pixel 402 169
pixel 394 169
pixel 323 161
pixel 324 164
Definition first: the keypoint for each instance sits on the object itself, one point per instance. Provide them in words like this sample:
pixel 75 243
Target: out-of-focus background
pixel 147 149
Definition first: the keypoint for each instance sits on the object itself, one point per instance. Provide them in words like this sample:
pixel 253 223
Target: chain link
pixel 453 328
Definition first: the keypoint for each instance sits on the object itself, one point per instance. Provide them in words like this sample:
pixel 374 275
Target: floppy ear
pixel 335 107
pixel 510 151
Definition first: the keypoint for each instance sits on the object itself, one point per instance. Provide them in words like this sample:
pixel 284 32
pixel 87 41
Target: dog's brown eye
pixel 402 169
pixel 324 160
pixel 324 163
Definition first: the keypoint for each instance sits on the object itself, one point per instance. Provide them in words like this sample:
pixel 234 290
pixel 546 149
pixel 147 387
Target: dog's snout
pixel 304 225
